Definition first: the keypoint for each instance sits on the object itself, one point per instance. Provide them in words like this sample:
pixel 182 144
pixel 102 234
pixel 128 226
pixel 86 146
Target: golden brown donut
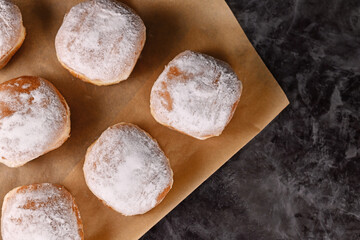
pixel 12 31
pixel 127 170
pixel 196 94
pixel 100 41
pixel 40 211
pixel 34 119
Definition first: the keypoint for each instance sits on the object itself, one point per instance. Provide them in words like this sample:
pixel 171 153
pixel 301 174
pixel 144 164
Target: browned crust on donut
pixel 65 193
pixel 177 73
pixel 6 58
pixel 162 195
pixel 121 77
pixel 35 82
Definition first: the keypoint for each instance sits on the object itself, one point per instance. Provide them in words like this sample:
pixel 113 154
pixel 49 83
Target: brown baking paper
pixel 173 26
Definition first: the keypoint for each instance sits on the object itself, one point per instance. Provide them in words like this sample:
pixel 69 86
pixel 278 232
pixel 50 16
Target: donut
pixel 12 31
pixel 100 41
pixel 34 119
pixel 127 170
pixel 196 95
pixel 40 211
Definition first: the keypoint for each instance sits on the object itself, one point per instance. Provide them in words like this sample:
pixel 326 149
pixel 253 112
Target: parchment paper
pixel 173 26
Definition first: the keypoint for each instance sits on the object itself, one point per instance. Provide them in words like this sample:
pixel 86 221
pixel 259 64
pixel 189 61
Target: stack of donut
pixel 100 42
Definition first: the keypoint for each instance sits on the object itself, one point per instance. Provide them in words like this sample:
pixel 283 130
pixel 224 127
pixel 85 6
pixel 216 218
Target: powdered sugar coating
pixel 101 40
pixel 42 212
pixel 127 169
pixel 33 116
pixel 10 26
pixel 196 94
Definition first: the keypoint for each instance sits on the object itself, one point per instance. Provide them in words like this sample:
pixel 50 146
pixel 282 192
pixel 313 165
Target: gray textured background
pixel 299 178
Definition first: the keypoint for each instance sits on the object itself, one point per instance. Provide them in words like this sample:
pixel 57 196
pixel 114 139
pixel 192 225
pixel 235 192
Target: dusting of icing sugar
pixel 42 212
pixel 10 26
pixel 127 169
pixel 31 118
pixel 26 85
pixel 196 94
pixel 100 39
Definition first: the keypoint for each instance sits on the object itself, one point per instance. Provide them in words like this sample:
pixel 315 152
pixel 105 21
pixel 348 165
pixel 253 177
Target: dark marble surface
pixel 299 178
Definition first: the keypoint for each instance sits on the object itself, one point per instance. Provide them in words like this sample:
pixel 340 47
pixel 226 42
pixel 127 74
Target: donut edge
pixel 7 57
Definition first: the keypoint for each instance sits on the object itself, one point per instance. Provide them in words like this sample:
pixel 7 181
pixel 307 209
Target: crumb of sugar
pixel 127 169
pixel 26 86
pixel 195 94
pixel 10 26
pixel 36 118
pixel 100 39
pixel 42 212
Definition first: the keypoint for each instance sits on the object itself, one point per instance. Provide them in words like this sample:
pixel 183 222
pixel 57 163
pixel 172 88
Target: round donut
pixel 40 211
pixel 196 94
pixel 127 170
pixel 100 41
pixel 34 119
pixel 12 31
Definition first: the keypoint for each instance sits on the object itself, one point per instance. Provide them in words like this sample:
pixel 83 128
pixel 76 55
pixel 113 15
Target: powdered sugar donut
pixel 34 119
pixel 40 211
pixel 127 170
pixel 12 31
pixel 196 94
pixel 100 41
